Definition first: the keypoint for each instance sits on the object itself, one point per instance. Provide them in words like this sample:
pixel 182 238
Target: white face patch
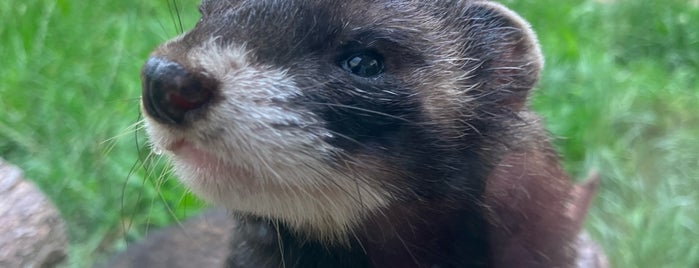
pixel 252 153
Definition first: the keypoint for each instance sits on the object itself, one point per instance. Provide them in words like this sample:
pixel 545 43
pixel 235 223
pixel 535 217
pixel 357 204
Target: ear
pixel 507 58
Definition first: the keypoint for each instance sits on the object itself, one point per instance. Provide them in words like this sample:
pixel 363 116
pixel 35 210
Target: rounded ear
pixel 506 55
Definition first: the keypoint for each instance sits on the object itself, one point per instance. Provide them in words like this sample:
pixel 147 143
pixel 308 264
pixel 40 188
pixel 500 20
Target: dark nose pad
pixel 170 91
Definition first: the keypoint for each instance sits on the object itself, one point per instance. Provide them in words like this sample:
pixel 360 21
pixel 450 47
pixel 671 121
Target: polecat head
pixel 319 113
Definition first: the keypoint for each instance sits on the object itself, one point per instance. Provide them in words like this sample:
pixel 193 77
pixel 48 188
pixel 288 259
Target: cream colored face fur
pixel 239 157
pixel 255 152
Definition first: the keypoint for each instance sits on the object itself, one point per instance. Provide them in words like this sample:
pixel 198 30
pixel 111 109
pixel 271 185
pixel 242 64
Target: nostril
pixel 170 91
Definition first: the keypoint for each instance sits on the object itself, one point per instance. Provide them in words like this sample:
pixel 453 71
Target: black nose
pixel 170 91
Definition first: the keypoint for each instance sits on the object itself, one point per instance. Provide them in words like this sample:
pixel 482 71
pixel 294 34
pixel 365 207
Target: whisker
pixel 179 16
pixel 346 161
pixel 138 164
pixel 173 14
pixel 122 211
pixel 280 243
pixel 165 31
pixel 149 174
pixel 162 178
pixel 138 125
pixel 407 248
pixel 338 105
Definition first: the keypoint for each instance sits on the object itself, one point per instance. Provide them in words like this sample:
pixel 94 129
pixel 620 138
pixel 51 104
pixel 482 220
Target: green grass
pixel 620 90
pixel 70 87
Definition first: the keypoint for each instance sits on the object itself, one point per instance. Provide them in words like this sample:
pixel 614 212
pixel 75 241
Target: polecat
pixel 364 133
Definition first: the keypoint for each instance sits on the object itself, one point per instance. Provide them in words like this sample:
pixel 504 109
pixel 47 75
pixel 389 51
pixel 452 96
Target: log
pixel 32 232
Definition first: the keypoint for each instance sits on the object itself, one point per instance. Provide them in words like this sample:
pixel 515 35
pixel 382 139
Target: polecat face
pixel 319 113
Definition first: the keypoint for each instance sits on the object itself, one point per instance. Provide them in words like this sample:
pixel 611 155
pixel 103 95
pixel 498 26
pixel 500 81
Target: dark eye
pixel 364 64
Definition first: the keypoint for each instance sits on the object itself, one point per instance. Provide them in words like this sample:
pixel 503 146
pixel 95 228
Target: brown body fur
pixel 529 195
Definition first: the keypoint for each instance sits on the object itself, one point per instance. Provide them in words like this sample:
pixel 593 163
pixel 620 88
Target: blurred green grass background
pixel 620 92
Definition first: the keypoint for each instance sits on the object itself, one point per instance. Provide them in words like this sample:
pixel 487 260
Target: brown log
pixel 32 232
pixel 199 242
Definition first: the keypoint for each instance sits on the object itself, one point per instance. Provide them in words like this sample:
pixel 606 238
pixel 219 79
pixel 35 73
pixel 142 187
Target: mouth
pixel 187 153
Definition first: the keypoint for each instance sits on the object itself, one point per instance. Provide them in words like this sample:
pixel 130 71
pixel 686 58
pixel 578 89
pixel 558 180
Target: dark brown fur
pixel 465 173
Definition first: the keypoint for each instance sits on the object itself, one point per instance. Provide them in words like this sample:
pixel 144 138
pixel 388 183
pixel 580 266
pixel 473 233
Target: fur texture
pixel 429 159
